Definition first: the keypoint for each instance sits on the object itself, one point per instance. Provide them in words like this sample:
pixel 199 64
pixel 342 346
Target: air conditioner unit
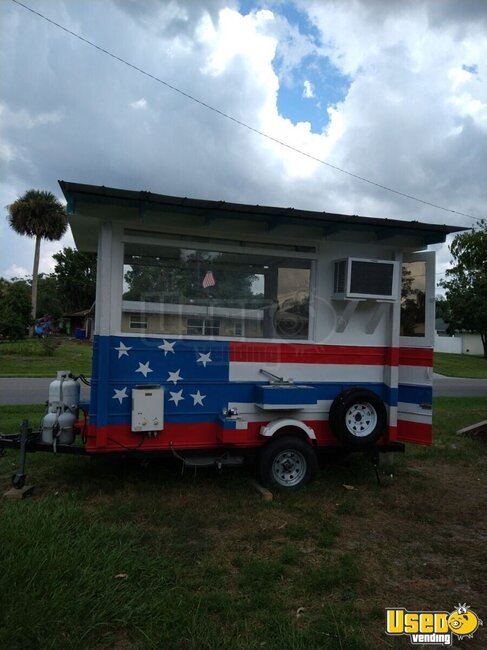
pixel 363 279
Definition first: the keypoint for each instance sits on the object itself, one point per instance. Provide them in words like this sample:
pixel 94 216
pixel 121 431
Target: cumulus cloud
pixel 413 116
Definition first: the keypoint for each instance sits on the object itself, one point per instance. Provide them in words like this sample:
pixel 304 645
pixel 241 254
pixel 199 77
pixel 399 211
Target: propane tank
pixel 62 410
pixel 64 389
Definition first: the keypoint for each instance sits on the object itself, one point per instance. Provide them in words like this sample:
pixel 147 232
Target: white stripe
pixel 253 413
pixel 408 407
pixel 306 372
pixel 414 417
pixel 415 375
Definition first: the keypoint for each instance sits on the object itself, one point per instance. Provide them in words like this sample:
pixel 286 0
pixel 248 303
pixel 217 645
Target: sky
pixel 391 91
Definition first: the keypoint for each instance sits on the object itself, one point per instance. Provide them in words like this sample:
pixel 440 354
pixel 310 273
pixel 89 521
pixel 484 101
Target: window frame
pixel 143 324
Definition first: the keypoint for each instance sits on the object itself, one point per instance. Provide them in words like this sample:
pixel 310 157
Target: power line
pixel 237 121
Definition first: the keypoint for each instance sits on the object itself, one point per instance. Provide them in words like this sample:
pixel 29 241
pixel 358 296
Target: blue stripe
pixel 415 394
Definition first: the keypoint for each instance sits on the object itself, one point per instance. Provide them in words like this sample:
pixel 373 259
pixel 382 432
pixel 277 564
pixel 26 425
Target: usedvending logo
pixel 432 628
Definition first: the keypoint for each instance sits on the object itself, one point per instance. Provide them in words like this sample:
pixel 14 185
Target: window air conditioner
pixel 356 278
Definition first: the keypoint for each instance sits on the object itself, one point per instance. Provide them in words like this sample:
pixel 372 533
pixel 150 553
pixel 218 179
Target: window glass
pixel 137 321
pixel 413 299
pixel 213 293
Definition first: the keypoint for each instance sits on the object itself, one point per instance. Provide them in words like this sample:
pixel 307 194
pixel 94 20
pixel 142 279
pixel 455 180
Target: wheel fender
pixel 270 429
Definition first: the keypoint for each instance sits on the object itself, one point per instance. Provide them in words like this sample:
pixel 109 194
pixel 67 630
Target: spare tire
pixel 358 418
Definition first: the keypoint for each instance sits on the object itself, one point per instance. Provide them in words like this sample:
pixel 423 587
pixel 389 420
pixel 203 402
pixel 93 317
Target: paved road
pixel 28 390
pixel 457 387
pixel 34 391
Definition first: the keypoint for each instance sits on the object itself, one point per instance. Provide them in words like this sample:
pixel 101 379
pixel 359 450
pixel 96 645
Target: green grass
pixel 460 365
pixel 109 555
pixel 12 416
pixel 28 358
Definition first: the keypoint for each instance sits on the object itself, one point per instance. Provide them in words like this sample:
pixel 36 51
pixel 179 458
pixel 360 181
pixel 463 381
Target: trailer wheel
pixel 358 418
pixel 287 463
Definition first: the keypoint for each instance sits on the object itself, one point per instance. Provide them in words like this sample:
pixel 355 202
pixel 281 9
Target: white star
pixel 175 376
pixel 144 368
pixel 197 398
pixel 122 349
pixel 120 394
pixel 204 358
pixel 167 347
pixel 176 397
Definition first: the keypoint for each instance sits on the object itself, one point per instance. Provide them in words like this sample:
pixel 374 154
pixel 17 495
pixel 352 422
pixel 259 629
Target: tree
pixel 15 309
pixel 48 299
pixel 181 280
pixel 442 310
pixel 75 275
pixel 41 215
pixel 466 283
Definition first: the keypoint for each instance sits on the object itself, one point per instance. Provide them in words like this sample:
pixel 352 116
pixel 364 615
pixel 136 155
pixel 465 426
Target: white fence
pixel 461 344
pixel 451 344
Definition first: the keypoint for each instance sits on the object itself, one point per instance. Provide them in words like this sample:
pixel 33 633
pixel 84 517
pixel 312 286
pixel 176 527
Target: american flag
pixel 209 280
pixel 204 377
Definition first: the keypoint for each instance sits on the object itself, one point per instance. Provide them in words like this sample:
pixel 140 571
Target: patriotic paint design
pixel 202 378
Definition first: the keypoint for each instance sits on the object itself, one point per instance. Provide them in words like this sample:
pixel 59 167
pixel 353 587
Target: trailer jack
pixel 18 479
pixel 381 457
pixel 30 441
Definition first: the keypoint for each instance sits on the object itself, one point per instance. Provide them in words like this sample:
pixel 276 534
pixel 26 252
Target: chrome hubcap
pixel 289 468
pixel 361 419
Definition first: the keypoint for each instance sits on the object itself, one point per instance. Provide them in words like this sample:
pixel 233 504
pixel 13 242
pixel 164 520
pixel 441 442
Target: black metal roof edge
pixel 248 209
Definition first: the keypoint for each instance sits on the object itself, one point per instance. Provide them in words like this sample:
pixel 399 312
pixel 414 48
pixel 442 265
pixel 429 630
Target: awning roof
pixel 88 205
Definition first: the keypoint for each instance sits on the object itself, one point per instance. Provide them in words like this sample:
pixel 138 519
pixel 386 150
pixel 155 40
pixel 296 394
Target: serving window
pixel 189 291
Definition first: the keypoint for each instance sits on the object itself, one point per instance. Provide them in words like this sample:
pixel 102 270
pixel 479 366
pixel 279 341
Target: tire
pixel 287 463
pixel 358 418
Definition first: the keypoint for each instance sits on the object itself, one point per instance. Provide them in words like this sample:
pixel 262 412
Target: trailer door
pixel 414 417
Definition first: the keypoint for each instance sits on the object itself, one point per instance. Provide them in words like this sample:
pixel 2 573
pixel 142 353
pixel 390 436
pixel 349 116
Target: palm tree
pixel 41 215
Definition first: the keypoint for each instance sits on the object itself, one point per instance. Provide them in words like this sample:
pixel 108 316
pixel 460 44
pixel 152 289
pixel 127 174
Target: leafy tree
pixel 442 309
pixel 41 215
pixel 48 298
pixel 75 275
pixel 466 283
pixel 15 309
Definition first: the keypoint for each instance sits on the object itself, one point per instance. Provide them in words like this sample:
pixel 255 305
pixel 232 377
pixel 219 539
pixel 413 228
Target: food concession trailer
pixel 226 331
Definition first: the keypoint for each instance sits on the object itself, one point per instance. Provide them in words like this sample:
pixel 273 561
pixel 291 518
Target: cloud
pixel 412 116
pixel 308 90
pixel 14 271
pixel 23 119
pixel 139 103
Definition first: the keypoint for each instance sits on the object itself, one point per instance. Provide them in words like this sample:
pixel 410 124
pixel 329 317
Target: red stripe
pixel 416 432
pixel 119 437
pixel 329 354
pixel 416 357
pixel 312 354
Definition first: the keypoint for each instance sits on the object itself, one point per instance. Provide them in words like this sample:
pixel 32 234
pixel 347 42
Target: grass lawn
pixel 107 554
pixel 29 358
pixel 460 365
